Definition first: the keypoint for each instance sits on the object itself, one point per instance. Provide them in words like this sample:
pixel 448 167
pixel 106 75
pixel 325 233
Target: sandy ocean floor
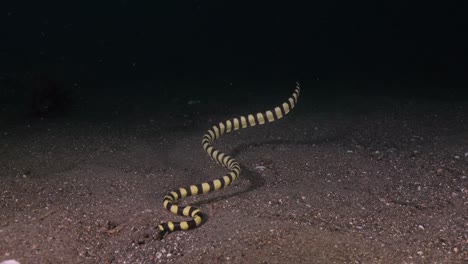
pixel 351 181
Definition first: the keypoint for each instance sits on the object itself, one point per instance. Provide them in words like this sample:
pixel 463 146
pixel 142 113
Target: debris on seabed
pixel 10 261
pixel 192 102
pixel 260 168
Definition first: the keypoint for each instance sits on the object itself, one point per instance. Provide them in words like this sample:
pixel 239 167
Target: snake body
pixel 222 159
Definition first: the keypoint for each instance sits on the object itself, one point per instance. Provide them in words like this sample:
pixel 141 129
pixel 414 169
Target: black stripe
pixel 230 162
pixel 230 178
pixel 177 226
pixel 192 224
pixel 282 110
pixel 212 187
pixel 189 191
pixel 180 210
pixel 206 139
pixel 172 196
pixel 192 209
pixel 290 105
pixel 223 183
pixel 214 134
pixel 200 189
pixel 225 160
pixel 225 126
pixel 256 119
pixel 179 194
pixel 206 148
pixel 219 130
pixel 208 136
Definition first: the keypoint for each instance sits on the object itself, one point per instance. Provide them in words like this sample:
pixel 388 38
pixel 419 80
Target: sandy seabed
pixel 386 184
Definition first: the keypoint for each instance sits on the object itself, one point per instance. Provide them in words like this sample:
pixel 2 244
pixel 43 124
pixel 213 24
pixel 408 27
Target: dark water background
pixel 160 51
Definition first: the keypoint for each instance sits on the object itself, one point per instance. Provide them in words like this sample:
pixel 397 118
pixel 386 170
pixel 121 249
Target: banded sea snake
pixel 222 159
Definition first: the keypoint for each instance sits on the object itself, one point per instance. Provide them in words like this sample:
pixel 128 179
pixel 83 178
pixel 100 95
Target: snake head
pixel 162 232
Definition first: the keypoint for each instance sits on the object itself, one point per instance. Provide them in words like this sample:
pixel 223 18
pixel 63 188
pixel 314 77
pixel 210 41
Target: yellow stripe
pixel 295 95
pixel 209 150
pixel 216 130
pixel 251 120
pixel 171 226
pixel 198 220
pixel 291 100
pixel 174 209
pixel 175 195
pixel 196 211
pixel 227 180
pixel 230 161
pixel 278 112
pixel 234 176
pixel 228 126
pixel 261 119
pixel 220 157
pixel 193 190
pixel 222 127
pixel 270 116
pixel 183 193
pixel 217 184
pixel 186 210
pixel 286 108
pixel 205 146
pixel 184 225
pixel 225 160
pixel 236 123
pixel 211 134
pixel 243 121
pixel 205 187
pixel 214 154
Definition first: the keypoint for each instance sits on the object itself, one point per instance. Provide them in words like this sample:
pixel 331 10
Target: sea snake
pixel 222 159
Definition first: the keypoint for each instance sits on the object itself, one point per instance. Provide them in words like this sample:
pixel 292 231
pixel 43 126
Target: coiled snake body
pixel 222 159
